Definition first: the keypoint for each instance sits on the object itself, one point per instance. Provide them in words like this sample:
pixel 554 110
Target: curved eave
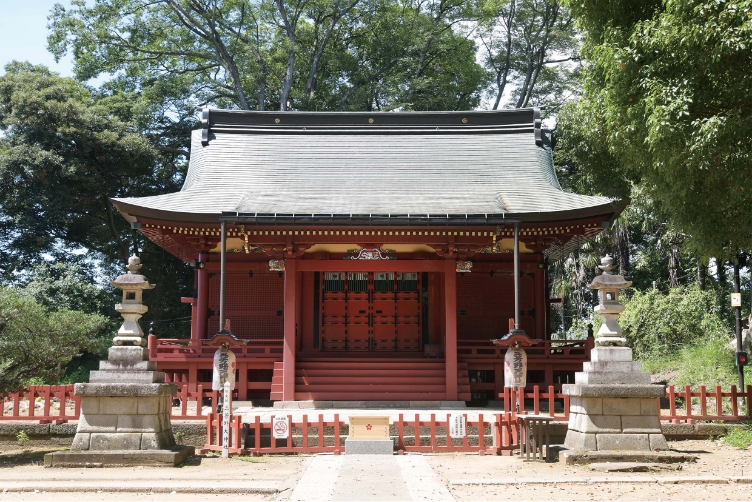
pixel 133 212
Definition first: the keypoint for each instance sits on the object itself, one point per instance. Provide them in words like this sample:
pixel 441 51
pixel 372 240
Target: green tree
pixel 35 342
pixel 528 47
pixel 666 107
pixel 68 286
pixel 62 155
pixel 301 55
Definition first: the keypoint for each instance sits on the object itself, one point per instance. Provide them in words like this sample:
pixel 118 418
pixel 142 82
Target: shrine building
pixel 369 256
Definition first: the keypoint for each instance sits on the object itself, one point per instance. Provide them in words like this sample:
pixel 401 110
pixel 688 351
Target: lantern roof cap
pixel 132 279
pixel 607 280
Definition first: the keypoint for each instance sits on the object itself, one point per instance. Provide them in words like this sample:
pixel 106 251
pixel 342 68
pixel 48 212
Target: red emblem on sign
pixel 369 427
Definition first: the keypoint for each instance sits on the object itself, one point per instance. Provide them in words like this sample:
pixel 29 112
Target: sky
pixel 23 34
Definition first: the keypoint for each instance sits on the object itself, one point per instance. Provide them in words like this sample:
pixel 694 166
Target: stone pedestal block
pixel 613 406
pixel 126 405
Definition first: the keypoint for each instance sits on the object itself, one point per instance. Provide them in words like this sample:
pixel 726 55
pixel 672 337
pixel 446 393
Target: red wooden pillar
pixel 450 339
pixel 202 306
pixel 288 351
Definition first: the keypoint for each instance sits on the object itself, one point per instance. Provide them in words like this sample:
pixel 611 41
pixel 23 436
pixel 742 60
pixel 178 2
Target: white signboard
pixel 224 369
pixel 736 299
pixel 457 426
pixel 280 428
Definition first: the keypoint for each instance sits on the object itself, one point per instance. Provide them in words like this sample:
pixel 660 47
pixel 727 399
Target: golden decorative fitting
pixel 276 121
pixel 370 121
pixel 464 121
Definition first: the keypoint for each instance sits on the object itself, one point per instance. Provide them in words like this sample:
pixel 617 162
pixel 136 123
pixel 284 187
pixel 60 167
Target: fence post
pixel 336 433
pixel 200 401
pixel 257 434
pixel 481 432
pixel 734 403
pixel 688 403
pixel 183 396
pixel 289 431
pixel 672 403
pixel 321 430
pixel 433 431
pixel 703 402
pixel 400 434
pixel 718 401
pixel 305 432
pixel 551 403
pixel 238 425
pixel 536 400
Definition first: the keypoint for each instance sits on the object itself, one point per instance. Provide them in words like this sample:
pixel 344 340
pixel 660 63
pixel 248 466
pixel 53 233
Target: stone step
pixel 126 376
pixel 612 377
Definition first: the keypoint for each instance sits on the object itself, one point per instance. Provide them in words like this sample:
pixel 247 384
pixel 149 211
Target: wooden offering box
pixel 369 428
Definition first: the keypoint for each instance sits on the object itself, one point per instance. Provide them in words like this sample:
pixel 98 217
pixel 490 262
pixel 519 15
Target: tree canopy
pixel 280 54
pixel 666 108
pixel 61 156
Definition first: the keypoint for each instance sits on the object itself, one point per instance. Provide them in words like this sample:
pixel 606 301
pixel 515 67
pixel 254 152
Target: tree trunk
pixel 720 266
pixel 673 265
pixel 702 274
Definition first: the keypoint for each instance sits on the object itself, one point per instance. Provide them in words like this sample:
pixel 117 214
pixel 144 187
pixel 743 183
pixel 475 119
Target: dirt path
pixel 465 476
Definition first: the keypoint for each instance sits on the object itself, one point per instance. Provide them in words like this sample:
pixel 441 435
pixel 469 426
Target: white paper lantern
pixel 224 368
pixel 515 367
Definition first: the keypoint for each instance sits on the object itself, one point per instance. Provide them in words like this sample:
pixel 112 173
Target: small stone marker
pixel 369 435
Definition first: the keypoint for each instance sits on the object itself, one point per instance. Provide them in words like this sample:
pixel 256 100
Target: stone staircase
pixel 357 379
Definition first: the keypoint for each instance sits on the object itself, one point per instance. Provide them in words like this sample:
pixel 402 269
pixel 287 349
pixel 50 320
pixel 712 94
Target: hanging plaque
pixel 224 368
pixel 515 367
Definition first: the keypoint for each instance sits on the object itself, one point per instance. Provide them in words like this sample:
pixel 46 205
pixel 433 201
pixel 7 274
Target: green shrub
pixel 739 438
pixel 657 325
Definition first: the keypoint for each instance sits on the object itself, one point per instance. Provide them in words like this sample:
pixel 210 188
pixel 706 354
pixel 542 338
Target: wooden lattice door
pixel 367 311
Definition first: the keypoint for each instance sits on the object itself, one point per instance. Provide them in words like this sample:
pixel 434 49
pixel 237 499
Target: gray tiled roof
pixel 338 164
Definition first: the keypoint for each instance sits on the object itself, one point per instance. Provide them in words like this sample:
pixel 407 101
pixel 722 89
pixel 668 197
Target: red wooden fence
pixel 45 403
pixel 56 403
pixel 694 405
pixel 498 435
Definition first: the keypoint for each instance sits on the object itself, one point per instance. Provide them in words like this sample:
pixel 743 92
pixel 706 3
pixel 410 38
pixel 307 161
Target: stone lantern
pixel 612 405
pixel 125 407
pixel 133 285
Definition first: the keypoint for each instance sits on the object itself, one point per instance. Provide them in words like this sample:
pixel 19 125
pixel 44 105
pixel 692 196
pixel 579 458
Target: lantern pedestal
pixel 612 405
